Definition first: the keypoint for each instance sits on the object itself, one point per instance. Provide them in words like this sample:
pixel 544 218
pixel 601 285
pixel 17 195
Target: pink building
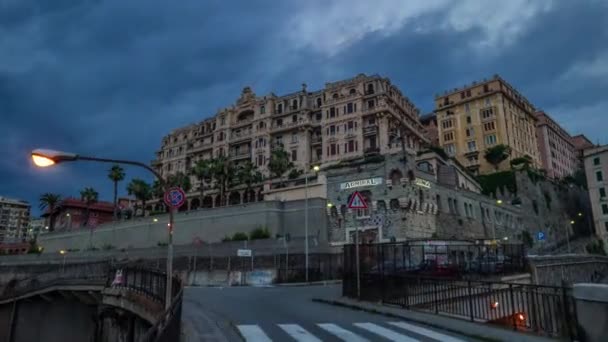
pixel 558 154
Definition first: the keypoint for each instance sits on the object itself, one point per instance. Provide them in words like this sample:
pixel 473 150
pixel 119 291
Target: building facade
pixel 581 143
pixel 596 171
pixel 557 153
pixel 14 220
pixel 429 121
pixel 346 119
pixel 71 214
pixel 484 114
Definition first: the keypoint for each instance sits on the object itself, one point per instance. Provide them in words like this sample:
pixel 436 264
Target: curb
pixel 462 331
pixel 313 283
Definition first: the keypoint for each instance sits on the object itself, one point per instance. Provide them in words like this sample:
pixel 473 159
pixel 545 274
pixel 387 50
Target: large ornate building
pixel 14 220
pixel 346 119
pixel 483 114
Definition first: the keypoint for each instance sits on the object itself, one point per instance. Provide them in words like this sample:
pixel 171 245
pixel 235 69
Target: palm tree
pixel 203 171
pixel 89 196
pixel 248 174
pixel 497 154
pixel 50 201
pixel 224 174
pixel 142 191
pixel 116 174
pixel 158 191
pixel 279 164
pixel 181 180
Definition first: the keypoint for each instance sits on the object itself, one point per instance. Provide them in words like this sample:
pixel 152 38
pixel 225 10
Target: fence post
pixel 436 294
pixel 470 300
pixel 566 308
pixel 513 313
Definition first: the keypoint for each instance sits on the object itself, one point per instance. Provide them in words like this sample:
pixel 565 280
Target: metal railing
pixel 545 310
pixel 168 327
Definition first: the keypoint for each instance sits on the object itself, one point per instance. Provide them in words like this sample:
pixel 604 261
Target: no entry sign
pixel 175 197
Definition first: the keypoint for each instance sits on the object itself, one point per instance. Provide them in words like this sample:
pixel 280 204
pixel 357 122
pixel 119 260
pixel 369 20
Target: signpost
pixel 540 236
pixel 245 253
pixel 357 202
pixel 174 198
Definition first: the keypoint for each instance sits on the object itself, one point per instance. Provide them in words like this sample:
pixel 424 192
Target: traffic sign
pixel 175 197
pixel 540 236
pixel 243 252
pixel 357 201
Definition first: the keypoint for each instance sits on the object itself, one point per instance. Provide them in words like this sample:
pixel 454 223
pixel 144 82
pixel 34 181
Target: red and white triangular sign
pixel 357 201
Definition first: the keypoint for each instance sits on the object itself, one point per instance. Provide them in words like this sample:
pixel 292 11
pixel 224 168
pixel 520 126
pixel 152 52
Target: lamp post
pixel 46 158
pixel 315 169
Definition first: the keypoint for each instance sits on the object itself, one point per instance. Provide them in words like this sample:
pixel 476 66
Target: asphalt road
pixel 264 314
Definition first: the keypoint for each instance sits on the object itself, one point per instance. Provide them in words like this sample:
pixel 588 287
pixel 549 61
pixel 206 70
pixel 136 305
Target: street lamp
pixel 46 158
pixel 315 169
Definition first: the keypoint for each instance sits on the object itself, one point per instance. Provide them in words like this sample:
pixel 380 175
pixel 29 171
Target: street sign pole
pixel 357 202
pixel 174 198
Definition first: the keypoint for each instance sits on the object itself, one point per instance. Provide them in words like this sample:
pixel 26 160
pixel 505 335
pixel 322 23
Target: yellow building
pixel 485 114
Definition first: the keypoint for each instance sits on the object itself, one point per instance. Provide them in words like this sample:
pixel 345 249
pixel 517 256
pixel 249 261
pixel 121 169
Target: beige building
pixel 483 114
pixel 596 170
pixel 581 143
pixel 557 153
pixel 346 119
pixel 14 220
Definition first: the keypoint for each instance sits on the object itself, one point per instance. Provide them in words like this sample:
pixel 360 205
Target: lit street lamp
pixel 315 169
pixel 46 158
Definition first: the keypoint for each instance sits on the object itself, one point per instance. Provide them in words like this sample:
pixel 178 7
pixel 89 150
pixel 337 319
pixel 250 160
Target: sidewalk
pixel 474 330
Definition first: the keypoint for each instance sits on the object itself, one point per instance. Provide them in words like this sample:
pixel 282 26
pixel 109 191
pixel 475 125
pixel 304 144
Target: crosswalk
pixel 350 332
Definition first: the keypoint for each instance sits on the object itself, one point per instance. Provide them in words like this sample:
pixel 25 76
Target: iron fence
pixel 168 327
pixel 437 259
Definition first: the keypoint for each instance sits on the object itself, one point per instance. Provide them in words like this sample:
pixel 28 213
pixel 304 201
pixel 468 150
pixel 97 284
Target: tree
pixel 497 154
pixel 203 171
pixel 89 196
pixel 224 175
pixel 522 162
pixel 142 192
pixel 116 174
pixel 49 201
pixel 181 180
pixel 279 164
pixel 248 174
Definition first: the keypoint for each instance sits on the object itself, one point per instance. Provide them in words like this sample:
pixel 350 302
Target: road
pixel 265 314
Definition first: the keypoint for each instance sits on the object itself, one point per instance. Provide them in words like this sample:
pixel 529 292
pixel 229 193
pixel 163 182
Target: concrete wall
pixel 209 225
pixel 568 269
pixel 592 311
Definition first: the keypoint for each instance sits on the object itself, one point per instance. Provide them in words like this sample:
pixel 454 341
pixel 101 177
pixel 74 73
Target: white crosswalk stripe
pixel 253 333
pixel 342 333
pixel 426 332
pixel 298 333
pixel 386 333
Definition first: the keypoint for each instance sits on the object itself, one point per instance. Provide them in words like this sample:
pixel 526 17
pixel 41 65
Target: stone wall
pixel 209 225
pixel 568 269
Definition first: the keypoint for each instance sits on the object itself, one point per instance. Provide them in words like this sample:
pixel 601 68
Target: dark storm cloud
pixel 110 78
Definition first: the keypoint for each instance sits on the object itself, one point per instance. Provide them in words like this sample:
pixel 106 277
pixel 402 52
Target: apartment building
pixel 429 121
pixel 557 153
pixel 14 220
pixel 596 171
pixel 581 143
pixel 346 119
pixel 483 114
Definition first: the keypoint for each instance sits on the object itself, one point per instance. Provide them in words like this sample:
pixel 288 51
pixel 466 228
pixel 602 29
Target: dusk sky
pixel 111 78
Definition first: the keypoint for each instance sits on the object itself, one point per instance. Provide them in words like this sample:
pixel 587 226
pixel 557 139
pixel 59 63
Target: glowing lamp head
pixel 155 220
pixel 316 168
pixel 521 317
pixel 42 161
pixel 572 222
pixel 62 252
pixel 45 158
pixel 499 202
pixel 494 305
pixel 329 205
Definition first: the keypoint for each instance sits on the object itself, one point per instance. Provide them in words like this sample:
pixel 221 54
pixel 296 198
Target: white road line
pixel 298 333
pixel 386 333
pixel 341 333
pixel 426 332
pixel 253 333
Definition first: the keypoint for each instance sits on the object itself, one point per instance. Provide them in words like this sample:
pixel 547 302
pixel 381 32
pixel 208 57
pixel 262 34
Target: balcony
pixel 370 129
pixel 236 155
pixel 317 139
pixel 277 146
pixel 342 98
pixel 199 146
pixel 235 136
pixel 289 125
pixel 372 150
pixel 243 122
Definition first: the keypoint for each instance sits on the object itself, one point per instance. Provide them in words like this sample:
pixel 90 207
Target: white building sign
pixel 422 183
pixel 362 182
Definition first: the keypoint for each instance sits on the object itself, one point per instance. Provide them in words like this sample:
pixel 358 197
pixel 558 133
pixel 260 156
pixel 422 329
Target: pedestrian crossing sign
pixel 357 201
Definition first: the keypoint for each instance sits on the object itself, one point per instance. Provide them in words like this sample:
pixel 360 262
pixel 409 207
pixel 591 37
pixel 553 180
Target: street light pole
pixel 316 169
pixel 45 158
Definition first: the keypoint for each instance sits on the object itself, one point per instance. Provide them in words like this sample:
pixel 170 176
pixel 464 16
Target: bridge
pixel 94 301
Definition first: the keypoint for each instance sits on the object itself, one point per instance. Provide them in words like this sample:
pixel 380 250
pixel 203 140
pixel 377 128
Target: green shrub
pixel 499 181
pixel 240 237
pixel 259 233
pixel 161 244
pixel 294 173
pixel 596 247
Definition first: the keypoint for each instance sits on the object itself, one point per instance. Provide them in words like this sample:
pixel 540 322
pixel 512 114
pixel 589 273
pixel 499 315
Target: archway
pixel 395 177
pixel 195 204
pixel 207 202
pixel 218 201
pixel 234 198
pixel 260 196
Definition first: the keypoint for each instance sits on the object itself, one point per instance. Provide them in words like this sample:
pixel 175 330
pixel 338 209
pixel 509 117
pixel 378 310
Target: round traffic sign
pixel 175 197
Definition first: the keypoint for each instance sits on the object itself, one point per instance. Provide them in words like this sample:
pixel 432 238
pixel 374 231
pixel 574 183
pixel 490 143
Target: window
pixel 447 124
pixel 370 88
pixel 602 192
pixel 333 149
pixel 489 126
pixel 332 130
pixel 294 104
pixel 472 146
pixel 332 112
pixel 351 146
pixel 448 136
pixel 467 108
pixel 262 109
pixel 279 108
pixel 294 138
pixel 606 226
pixel 487 102
pixel 319 102
pixel 319 116
pixel 605 209
pixel 294 155
pixel 350 126
pixel 490 139
pixel 352 91
pixel 486 88
pixel 487 113
pixel 371 104
pixel 279 122
pixel 335 95
pixel 260 159
pixel 349 108
pixel 450 149
pixel 469 119
pixel 470 132
pixel 468 93
pixel 278 140
pixel 596 161
pixel 599 176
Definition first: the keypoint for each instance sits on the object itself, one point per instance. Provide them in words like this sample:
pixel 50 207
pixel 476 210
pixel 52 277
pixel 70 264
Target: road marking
pixel 386 333
pixel 425 332
pixel 253 333
pixel 342 334
pixel 298 333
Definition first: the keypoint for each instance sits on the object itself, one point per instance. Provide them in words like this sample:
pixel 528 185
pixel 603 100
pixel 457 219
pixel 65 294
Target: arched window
pixel 280 108
pixel 381 206
pixel 352 91
pixel 394 203
pixel 319 102
pixel 335 95
pixel 294 104
pixel 396 176
pixel 370 88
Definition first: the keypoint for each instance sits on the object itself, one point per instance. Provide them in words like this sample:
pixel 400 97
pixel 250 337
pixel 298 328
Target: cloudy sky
pixel 110 78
